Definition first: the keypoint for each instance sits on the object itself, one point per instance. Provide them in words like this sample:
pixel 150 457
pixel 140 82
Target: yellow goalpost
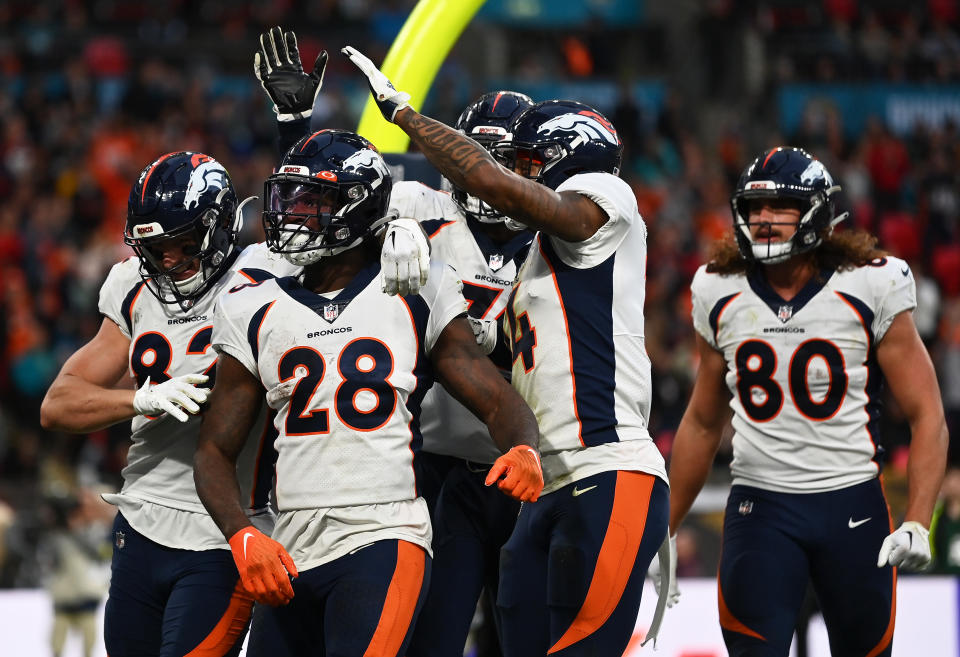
pixel 413 61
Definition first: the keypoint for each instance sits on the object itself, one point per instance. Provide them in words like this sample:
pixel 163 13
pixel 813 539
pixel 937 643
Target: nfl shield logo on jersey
pixel 746 507
pixel 785 313
pixel 330 311
pixel 496 261
pixel 121 540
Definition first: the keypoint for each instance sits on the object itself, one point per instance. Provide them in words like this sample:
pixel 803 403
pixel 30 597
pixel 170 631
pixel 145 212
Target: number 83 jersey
pixel 803 374
pixel 165 342
pixel 346 373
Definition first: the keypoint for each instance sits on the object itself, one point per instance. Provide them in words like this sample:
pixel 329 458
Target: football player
pixel 571 574
pixel 798 327
pixel 174 587
pixel 183 219
pixel 471 521
pixel 345 367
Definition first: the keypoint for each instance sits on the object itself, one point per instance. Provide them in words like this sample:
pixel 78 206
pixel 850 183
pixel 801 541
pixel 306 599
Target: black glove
pixel 277 66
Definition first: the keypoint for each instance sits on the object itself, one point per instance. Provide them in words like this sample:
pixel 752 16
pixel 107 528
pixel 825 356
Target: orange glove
pixel 265 567
pixel 522 477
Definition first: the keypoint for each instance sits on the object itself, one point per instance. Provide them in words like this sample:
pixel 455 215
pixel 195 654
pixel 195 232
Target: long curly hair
pixel 839 251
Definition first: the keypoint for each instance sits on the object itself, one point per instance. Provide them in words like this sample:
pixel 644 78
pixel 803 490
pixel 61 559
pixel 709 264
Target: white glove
pixel 653 572
pixel 404 257
pixel 388 99
pixel 908 547
pixel 173 396
pixel 485 331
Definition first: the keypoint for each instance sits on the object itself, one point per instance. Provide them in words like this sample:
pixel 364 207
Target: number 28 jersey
pixel 346 374
pixel 803 374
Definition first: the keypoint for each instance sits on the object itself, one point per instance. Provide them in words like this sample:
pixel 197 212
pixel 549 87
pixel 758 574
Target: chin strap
pixel 666 572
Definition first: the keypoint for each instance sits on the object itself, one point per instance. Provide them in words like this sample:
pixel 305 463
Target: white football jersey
pixel 575 321
pixel 346 375
pixel 166 342
pixel 803 373
pixel 488 271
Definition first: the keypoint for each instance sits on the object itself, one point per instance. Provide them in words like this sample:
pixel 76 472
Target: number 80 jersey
pixel 803 374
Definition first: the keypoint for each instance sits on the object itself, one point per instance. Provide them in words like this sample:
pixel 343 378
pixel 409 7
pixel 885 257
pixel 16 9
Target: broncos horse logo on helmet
pixel 331 191
pixel 487 121
pixel 786 173
pixel 188 197
pixel 557 139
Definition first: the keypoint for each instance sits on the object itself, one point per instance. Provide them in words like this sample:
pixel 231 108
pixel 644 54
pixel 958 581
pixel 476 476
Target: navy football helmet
pixel 786 173
pixel 556 139
pixel 487 120
pixel 335 177
pixel 189 198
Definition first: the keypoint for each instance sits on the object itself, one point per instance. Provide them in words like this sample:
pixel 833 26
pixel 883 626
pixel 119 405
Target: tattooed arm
pixel 234 404
pixel 567 215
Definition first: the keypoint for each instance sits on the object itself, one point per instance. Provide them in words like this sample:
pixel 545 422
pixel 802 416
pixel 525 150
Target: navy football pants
pixel 166 602
pixel 773 543
pixel 361 605
pixel 471 522
pixel 571 575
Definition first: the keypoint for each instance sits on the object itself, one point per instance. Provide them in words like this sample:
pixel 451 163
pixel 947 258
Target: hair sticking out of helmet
pixel 330 192
pixel 487 121
pixel 556 139
pixel 182 222
pixel 786 174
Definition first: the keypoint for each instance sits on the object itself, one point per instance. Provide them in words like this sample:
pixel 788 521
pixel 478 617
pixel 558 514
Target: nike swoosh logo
pixel 246 537
pixel 851 523
pixel 577 491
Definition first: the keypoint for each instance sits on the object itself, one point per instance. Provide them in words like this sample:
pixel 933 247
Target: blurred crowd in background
pixel 93 91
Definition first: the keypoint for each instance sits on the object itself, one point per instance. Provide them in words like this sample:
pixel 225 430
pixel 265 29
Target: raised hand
pixel 277 65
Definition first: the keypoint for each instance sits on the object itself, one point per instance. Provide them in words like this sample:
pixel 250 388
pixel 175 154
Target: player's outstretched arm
pixel 909 372
pixel 84 397
pixel 469 376
pixel 699 433
pixel 567 215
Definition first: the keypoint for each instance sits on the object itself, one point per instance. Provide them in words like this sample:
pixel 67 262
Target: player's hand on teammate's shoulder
pixel 278 67
pixel 404 257
pixel 264 565
pixel 908 547
pixel 518 473
pixel 173 396
pixel 388 99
